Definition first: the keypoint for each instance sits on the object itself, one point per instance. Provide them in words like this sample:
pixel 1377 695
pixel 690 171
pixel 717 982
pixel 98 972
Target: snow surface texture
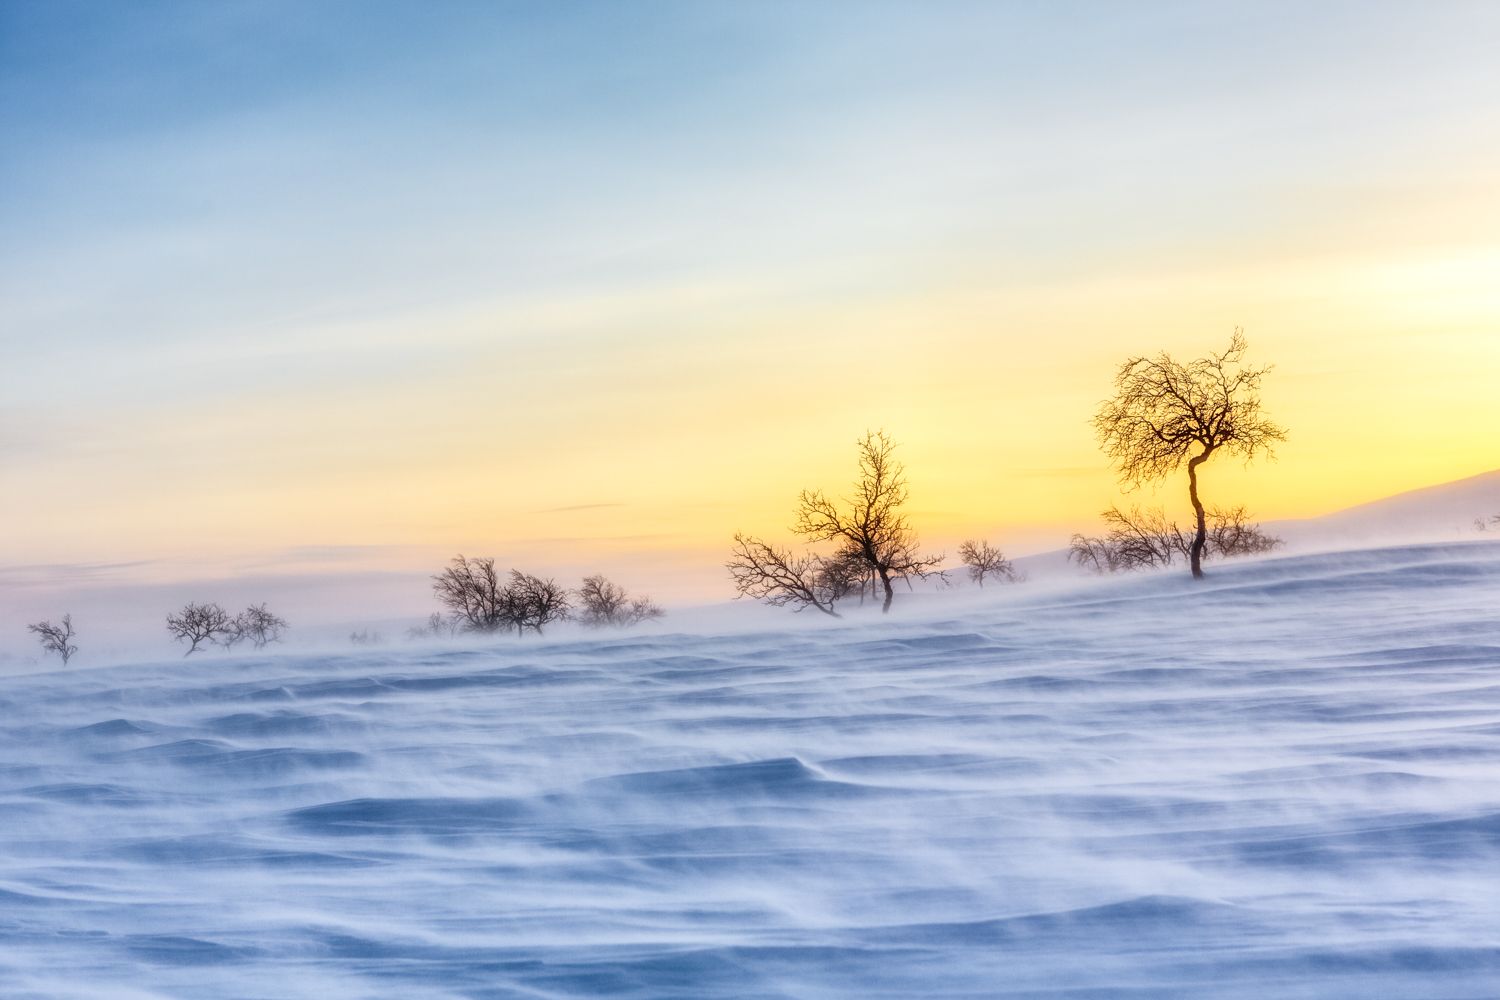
pixel 1282 783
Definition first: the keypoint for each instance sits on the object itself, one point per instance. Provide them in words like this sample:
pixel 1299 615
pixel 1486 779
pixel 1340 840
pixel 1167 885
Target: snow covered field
pixel 1283 783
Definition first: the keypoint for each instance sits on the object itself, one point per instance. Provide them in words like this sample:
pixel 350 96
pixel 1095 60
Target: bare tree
pixel 258 625
pixel 1145 539
pixel 533 602
pixel 1165 414
pixel 1141 539
pixel 56 638
pixel 602 603
pixel 870 521
pixel 366 637
pixel 643 609
pixel 435 627
pixel 983 560
pixel 196 624
pixel 471 591
pixel 779 578
pixel 477 601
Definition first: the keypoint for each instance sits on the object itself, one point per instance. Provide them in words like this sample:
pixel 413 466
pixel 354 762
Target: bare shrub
pixel 1231 534
pixel 435 627
pixel 1146 539
pixel 57 638
pixel 602 603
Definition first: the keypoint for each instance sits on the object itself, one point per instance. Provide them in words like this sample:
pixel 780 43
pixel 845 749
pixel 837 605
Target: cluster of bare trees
pixel 602 604
pixel 874 543
pixel 479 599
pixel 1146 539
pixel 200 624
pixel 1164 415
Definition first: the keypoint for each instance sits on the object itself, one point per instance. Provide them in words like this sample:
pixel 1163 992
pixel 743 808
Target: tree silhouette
pixel 470 589
pixel 870 523
pixel 780 578
pixel 532 602
pixel 875 542
pixel 1144 539
pixel 258 625
pixel 56 638
pixel 477 601
pixel 196 624
pixel 602 603
pixel 984 560
pixel 1165 414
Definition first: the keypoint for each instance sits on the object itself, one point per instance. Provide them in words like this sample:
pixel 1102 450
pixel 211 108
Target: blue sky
pixel 401 277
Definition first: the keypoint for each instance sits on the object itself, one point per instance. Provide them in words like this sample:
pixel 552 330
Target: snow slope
pixel 1282 783
pixel 1434 513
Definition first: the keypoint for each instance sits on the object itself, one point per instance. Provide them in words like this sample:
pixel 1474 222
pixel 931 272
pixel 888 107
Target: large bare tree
pixel 56 638
pixel 870 523
pixel 875 542
pixel 1165 414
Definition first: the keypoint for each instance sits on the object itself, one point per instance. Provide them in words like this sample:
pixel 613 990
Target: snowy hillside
pixel 1282 783
pixel 1434 513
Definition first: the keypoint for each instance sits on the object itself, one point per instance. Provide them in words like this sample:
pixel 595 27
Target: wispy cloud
pixel 578 507
pixel 66 574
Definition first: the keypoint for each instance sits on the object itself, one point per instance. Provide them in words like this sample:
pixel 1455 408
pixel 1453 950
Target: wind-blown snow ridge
pixel 1282 782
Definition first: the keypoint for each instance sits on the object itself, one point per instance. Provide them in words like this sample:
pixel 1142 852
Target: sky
pixel 334 290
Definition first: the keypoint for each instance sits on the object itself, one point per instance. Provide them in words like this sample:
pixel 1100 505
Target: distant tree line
pixel 477 598
pixel 200 624
pixel 1164 415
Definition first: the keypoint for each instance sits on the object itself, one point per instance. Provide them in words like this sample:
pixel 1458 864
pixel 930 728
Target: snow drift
pixel 1282 782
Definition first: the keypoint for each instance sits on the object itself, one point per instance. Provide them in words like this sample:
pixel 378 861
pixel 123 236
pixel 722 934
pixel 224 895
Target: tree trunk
pixel 890 592
pixel 1200 537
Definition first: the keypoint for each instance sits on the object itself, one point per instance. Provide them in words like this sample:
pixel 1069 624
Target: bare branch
pixel 778 577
